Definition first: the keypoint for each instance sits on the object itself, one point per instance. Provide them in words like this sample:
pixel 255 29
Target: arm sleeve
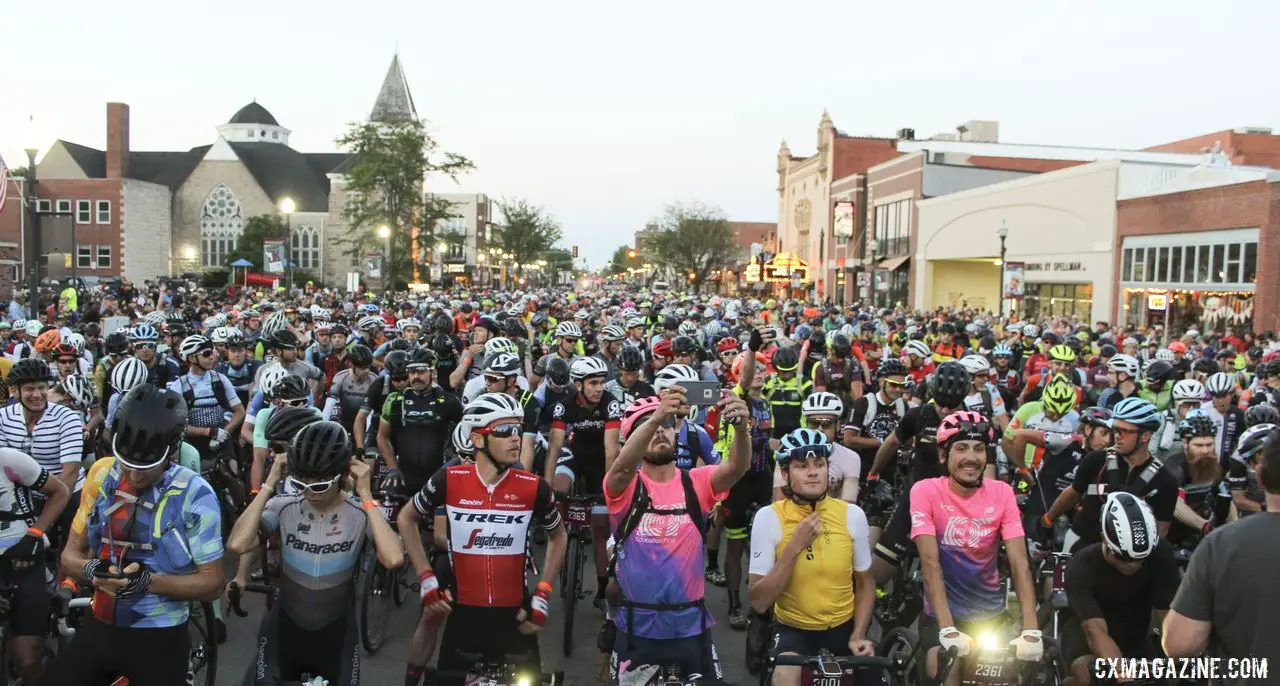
pixel 432 495
pixel 388 407
pixel 544 507
pixel 857 414
pixel 1165 500
pixel 260 429
pixel 1088 470
pixel 766 534
pixel 907 427
pixel 23 468
pixel 1080 581
pixel 860 533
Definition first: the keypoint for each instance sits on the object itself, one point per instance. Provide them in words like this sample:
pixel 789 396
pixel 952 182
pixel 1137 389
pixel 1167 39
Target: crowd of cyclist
pixel 830 448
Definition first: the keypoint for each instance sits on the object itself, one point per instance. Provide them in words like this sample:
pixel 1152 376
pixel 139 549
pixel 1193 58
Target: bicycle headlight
pixel 988 642
pixel 523 681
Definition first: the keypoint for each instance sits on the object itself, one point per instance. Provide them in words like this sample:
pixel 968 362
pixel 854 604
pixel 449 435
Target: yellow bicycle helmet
pixel 1061 353
pixel 1059 396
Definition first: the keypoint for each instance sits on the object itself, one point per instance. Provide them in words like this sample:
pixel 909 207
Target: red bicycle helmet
pixel 729 344
pixel 663 348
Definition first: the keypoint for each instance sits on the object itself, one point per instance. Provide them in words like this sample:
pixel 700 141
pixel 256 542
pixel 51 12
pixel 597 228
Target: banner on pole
pixel 1014 281
pixel 273 255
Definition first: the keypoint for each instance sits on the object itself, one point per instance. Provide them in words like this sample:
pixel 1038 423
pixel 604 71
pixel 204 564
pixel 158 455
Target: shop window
pixel 1126 268
pixel 1139 264
pixel 1162 265
pixel 1250 263
pixel 1175 264
pixel 1219 271
pixel 1202 263
pixel 1233 264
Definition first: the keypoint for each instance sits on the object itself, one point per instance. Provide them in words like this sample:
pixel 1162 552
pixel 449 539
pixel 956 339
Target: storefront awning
pixel 786 267
pixel 893 263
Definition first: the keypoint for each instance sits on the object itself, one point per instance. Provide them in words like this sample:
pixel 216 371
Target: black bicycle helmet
pixel 285 338
pixel 539 318
pixel 1096 416
pixel 1261 414
pixel 320 450
pixel 396 363
pixel 286 422
pixel 403 344
pixel 360 356
pixel 786 359
pixel 513 327
pixel 670 323
pixel 148 425
pixel 558 371
pixel 1107 350
pixel 840 345
pixel 1159 372
pixel 116 342
pixel 684 345
pixel 947 327
pixel 29 370
pixel 490 324
pixel 630 359
pixel 950 384
pixel 817 341
pixel 291 387
pixel 1205 366
pixel 443 346
pixel 891 366
pixel 1196 424
pixel 421 357
pixel 443 323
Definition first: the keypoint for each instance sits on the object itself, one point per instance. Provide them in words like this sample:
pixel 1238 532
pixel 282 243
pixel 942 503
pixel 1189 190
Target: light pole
pixel 384 232
pixel 875 249
pixel 33 220
pixel 1002 232
pixel 287 208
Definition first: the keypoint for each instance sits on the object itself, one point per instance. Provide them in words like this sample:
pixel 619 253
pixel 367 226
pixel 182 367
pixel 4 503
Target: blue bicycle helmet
pixel 1002 350
pixel 802 444
pixel 1138 412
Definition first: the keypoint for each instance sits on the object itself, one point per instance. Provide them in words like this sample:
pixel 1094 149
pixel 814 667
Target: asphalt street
pixel 386 668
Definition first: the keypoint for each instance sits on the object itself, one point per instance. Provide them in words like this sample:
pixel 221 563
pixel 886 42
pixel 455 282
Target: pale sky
pixel 602 112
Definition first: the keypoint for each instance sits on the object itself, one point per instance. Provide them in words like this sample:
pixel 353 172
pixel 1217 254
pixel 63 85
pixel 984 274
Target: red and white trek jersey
pixel 488 529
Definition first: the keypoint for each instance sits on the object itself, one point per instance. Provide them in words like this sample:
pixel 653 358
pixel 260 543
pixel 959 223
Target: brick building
pixel 1255 146
pixel 1205 255
pixel 143 214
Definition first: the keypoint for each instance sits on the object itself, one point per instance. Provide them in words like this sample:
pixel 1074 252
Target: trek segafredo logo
pixel 488 533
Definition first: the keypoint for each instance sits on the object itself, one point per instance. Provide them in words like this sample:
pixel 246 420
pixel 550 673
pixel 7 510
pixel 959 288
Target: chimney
pixel 117 140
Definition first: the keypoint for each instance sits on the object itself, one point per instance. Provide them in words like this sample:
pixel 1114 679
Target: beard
pixel 661 456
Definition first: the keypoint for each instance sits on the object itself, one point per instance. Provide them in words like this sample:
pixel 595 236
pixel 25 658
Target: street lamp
pixel 1002 232
pixel 33 219
pixel 287 208
pixel 384 232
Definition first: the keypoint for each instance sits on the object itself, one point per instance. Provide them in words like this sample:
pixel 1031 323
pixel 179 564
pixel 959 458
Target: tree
pixel 384 184
pixel 695 239
pixel 528 232
pixel 256 231
pixel 621 261
pixel 18 172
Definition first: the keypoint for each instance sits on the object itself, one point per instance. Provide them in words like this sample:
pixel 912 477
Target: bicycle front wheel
pixel 375 605
pixel 573 573
pixel 202 665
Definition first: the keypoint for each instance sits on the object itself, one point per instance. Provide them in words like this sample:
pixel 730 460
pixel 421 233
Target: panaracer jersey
pixel 319 551
pixel 171 527
pixel 487 527
pixel 819 594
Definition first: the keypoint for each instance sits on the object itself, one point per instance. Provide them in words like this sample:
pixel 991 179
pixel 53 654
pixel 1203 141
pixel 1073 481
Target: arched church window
pixel 221 225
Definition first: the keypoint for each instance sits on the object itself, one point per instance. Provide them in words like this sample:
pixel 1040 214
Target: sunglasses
pixel 316 488
pixel 146 346
pixel 66 360
pixel 808 452
pixel 891 382
pixel 400 379
pixel 293 402
pixel 494 379
pixel 820 423
pixel 206 353
pixel 501 431
pixel 668 423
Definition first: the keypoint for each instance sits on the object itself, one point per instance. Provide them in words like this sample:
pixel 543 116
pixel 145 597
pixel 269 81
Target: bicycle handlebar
pixel 235 594
pixel 791 660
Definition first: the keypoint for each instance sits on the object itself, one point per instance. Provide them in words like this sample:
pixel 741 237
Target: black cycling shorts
pixel 1074 644
pixel 753 487
pixel 695 657
pixel 29 603
pixel 491 631
pixel 100 653
pixel 895 540
pixel 811 642
pixel 286 651
pixel 588 473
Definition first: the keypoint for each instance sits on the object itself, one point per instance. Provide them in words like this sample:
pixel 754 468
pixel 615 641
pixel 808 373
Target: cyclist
pixel 785 390
pixel 1126 466
pixel 919 425
pixel 415 426
pixel 1008 379
pixel 1223 408
pixel 1059 445
pixel 214 411
pixel 160 370
pixel 1158 384
pixel 1114 587
pixel 394 377
pixel 611 338
pixel 628 386
pixel 1188 395
pixel 1242 477
pixel 350 387
pixel 821 413
pixel 239 367
pixel 323 526
pixel 480 582
pixel 958 522
pixel 839 372
pixel 1062 360
pixel 947 348
pixel 286 346
pixel 1206 500
pixel 1122 375
pixel 502 375
pixel 147 538
pixel 588 424
pixel 1052 418
pixel 875 416
pixel 567 335
pixel 811 581
pixel 660 574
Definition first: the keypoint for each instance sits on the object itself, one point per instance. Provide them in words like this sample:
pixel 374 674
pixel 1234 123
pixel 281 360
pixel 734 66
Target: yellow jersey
pixel 819 594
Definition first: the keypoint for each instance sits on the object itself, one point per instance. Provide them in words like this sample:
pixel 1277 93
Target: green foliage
pixel 558 260
pixel 619 263
pixel 214 278
pixel 385 187
pixel 695 238
pixel 528 232
pixel 18 172
pixel 256 231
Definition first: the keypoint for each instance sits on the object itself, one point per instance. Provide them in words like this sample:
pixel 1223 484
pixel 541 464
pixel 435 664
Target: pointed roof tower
pixel 395 102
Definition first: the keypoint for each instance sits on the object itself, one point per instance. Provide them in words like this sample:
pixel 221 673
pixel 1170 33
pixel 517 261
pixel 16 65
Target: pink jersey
pixel 969 531
pixel 662 561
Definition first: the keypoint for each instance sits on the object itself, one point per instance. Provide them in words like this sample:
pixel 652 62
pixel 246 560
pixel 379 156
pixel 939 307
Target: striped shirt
pixel 57 440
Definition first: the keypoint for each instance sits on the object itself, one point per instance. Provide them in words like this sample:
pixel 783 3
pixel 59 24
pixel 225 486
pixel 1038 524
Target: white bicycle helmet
pixel 215 321
pixel 612 332
pixel 488 408
pixel 155 318
pixel 1188 389
pixel 1128 526
pixel 587 367
pixel 568 330
pixel 1124 364
pixel 1030 330
pixel 975 364
pixel 919 349
pixel 276 321
pixel 192 345
pixel 81 391
pixel 822 403
pixel 144 332
pixel 270 377
pixel 407 322
pixel 1164 354
pixel 634 322
pixel 220 334
pixel 319 313
pixel 128 374
pixel 673 374
pixel 1220 384
pixel 494 346
pixel 462 440
pixel 76 340
pixel 688 328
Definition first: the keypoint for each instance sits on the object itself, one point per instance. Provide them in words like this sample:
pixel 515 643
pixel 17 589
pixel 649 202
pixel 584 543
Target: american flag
pixel 4 183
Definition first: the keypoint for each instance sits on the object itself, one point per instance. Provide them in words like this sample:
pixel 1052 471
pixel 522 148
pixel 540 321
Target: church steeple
pixel 395 102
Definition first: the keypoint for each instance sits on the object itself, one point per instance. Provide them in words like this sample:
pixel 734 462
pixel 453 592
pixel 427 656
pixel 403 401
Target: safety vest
pixel 157 535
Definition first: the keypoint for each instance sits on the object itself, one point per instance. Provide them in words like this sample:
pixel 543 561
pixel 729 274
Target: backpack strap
pixel 639 503
pixel 873 406
pixel 692 506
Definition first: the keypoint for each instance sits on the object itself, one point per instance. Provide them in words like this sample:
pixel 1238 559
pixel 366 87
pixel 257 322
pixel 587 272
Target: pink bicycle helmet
pixel 638 411
pixel 965 426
